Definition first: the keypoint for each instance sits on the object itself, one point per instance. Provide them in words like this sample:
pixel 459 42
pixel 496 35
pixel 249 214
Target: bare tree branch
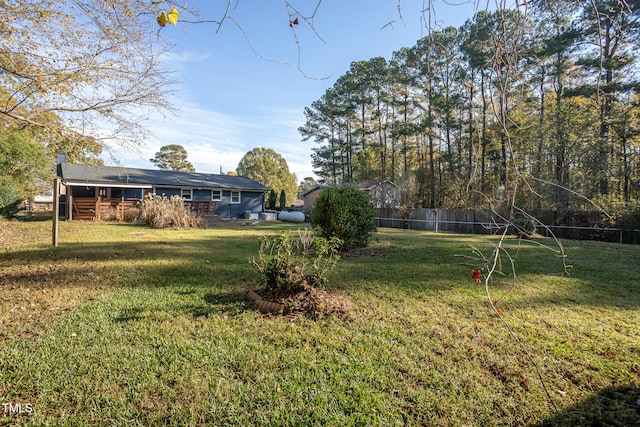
pixel 93 64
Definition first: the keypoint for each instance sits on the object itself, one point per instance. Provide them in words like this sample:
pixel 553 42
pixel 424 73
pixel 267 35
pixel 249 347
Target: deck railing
pixel 101 209
pixel 89 208
pixel 202 207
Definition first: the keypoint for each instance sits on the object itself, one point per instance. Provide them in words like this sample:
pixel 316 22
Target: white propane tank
pixel 293 216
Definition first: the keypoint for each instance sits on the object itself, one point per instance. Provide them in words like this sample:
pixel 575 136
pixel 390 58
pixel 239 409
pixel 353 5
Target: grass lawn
pixel 127 325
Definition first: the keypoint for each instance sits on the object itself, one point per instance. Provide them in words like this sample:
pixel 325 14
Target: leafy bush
pixel 345 213
pixel 289 262
pixel 162 212
pixel 522 227
pixel 10 198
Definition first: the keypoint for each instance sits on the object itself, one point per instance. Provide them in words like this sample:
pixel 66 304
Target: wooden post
pixel 56 211
pixel 70 203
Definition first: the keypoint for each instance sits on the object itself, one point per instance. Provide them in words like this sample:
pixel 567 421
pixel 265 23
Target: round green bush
pixel 345 213
pixel 522 227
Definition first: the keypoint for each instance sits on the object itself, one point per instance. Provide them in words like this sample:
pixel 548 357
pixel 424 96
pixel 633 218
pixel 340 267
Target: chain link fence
pixel 487 222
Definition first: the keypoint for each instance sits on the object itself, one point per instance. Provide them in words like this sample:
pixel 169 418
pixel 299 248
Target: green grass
pixel 126 325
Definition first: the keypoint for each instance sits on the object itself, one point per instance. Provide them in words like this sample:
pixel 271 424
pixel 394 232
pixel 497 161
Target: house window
pixel 186 193
pixel 235 197
pixel 102 192
pixel 216 195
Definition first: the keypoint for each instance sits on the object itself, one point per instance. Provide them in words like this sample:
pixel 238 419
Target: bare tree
pixel 82 67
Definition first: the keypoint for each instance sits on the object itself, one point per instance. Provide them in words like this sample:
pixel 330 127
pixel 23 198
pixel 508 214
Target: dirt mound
pixel 303 301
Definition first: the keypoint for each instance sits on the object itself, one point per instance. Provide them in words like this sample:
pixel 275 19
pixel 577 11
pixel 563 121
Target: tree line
pixel 545 101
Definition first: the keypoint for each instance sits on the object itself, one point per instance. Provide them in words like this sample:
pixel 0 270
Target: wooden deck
pixel 91 209
pixel 202 208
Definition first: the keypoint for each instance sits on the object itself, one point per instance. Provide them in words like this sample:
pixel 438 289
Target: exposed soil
pixel 310 302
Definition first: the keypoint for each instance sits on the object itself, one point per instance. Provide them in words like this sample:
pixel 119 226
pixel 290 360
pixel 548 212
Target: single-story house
pixel 96 192
pixel 41 202
pixel 382 194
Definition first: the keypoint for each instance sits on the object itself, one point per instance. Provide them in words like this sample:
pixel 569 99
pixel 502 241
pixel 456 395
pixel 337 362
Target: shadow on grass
pixel 407 261
pixel 212 303
pixel 609 407
pixel 231 303
pixel 210 261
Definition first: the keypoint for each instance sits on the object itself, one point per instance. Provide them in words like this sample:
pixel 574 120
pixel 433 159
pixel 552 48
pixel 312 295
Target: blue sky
pixel 231 99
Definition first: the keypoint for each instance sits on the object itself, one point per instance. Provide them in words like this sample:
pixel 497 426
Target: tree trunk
pixel 483 136
pixel 471 129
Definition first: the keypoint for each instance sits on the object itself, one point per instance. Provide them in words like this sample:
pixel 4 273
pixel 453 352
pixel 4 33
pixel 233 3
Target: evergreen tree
pixel 283 200
pixel 613 29
pixel 172 157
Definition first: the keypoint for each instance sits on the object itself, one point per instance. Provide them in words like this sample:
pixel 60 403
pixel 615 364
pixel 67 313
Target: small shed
pixel 96 192
pixel 309 197
pixel 382 194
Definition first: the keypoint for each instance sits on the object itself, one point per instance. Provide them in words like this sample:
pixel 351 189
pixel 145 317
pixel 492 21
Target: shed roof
pixel 311 190
pixel 113 175
pixel 369 185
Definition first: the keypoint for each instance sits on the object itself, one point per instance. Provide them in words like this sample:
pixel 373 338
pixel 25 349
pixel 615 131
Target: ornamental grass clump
pixel 162 212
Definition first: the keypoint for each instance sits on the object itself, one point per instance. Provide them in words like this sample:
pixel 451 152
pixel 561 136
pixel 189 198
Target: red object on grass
pixel 476 275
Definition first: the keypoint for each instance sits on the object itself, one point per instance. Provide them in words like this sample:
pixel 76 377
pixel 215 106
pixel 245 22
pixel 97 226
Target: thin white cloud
pixel 215 141
pixel 172 57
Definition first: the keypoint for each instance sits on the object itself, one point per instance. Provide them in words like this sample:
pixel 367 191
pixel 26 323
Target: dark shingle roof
pixel 88 174
pixel 369 185
pixel 311 190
